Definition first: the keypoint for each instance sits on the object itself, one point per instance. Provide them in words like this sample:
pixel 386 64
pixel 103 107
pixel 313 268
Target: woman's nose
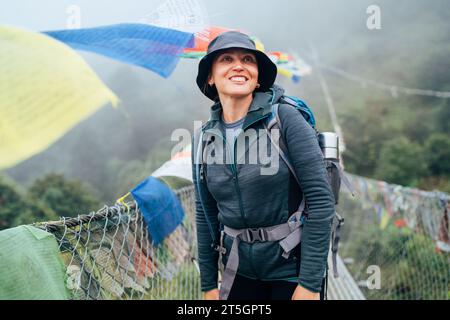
pixel 238 67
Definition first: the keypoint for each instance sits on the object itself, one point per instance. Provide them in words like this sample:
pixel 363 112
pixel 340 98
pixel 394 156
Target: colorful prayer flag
pixel 151 47
pixel 45 90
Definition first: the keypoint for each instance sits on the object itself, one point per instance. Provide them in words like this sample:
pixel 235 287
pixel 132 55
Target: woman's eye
pixel 249 59
pixel 227 58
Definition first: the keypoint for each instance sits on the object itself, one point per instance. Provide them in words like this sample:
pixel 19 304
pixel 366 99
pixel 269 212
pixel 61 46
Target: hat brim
pixel 267 71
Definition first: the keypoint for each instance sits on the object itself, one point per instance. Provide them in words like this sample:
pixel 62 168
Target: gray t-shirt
pixel 231 128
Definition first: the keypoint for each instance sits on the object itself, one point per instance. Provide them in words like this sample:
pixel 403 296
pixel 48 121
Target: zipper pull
pixel 202 173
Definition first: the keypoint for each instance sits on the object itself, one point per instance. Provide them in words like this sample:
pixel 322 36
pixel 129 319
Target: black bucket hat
pixel 233 39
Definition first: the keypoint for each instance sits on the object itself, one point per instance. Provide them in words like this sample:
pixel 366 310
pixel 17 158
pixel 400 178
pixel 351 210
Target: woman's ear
pixel 210 80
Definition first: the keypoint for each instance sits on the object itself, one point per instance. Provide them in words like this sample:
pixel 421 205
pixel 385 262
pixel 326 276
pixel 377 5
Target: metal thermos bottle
pixel 329 143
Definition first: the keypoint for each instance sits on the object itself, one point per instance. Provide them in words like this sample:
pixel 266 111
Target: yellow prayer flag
pixel 258 44
pixel 385 218
pixel 284 72
pixel 46 88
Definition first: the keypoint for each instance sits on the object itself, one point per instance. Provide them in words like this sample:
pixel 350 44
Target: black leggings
pixel 248 289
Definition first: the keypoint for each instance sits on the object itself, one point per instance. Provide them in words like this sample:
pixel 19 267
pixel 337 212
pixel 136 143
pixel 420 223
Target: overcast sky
pixel 282 25
pixel 258 15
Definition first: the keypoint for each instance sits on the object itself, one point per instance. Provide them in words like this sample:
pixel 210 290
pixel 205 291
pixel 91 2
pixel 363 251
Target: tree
pixel 437 154
pixel 64 197
pixel 365 132
pixel 402 162
pixel 11 204
pixel 15 209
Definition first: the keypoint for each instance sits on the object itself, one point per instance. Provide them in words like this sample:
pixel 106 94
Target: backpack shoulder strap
pixel 301 106
pixel 274 122
pixel 273 119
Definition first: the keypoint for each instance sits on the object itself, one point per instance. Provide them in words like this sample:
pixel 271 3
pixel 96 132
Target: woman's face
pixel 235 73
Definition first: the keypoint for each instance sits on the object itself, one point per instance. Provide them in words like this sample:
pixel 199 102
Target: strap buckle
pixel 255 234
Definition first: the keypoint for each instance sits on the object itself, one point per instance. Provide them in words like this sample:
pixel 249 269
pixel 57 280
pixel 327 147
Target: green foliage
pixel 438 183
pixel 365 133
pixel 16 209
pixel 442 114
pixel 11 204
pixel 65 198
pixel 403 141
pixel 437 154
pixel 47 199
pixel 401 162
pixel 410 266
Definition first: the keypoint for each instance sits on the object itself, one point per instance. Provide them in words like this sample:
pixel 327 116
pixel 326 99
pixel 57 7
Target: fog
pixel 152 107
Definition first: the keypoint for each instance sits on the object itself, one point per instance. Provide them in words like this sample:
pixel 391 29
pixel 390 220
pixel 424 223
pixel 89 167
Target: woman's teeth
pixel 238 79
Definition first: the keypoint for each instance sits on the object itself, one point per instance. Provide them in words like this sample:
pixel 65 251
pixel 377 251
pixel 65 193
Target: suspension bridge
pixel 401 232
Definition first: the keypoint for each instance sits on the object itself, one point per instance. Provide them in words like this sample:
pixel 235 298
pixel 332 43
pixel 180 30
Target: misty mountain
pixel 112 150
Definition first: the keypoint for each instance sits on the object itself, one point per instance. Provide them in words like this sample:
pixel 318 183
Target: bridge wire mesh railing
pixel 399 233
pixel 402 231
pixel 109 255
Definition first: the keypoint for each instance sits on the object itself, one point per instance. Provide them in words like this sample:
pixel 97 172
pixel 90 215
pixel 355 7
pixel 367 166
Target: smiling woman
pixel 242 46
pixel 235 75
pixel 239 211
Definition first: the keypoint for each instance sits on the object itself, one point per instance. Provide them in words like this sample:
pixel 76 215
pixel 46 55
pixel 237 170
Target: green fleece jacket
pixel 235 193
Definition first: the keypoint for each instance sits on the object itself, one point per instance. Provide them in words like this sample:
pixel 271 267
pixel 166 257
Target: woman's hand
pixel 211 294
pixel 301 293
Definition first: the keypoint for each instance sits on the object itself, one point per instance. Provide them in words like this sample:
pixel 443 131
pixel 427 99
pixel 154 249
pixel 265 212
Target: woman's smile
pixel 235 73
pixel 239 79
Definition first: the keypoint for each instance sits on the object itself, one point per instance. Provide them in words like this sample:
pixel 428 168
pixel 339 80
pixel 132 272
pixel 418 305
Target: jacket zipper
pixel 234 168
pixel 234 173
pixel 236 184
pixel 235 178
pixel 240 200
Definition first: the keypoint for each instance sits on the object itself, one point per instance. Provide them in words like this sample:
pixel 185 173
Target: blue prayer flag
pixel 160 207
pixel 155 48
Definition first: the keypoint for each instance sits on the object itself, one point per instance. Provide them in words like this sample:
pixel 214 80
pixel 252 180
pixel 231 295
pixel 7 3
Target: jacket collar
pixel 261 106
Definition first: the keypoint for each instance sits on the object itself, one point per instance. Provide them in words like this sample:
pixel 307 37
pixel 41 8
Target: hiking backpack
pixel 335 173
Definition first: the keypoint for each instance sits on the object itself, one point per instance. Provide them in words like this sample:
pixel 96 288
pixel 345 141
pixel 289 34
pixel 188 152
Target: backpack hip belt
pixel 288 234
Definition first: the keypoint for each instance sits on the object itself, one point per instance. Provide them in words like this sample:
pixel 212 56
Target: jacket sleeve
pixel 307 159
pixel 207 257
